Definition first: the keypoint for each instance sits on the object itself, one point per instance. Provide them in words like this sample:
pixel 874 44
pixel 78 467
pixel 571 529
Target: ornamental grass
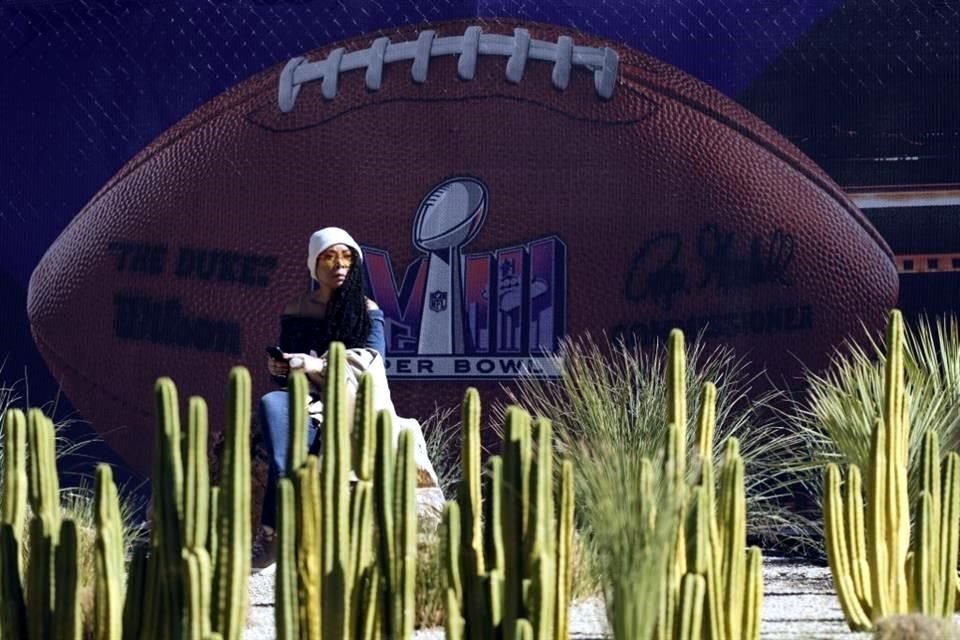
pixel 76 501
pixel 842 404
pixel 607 409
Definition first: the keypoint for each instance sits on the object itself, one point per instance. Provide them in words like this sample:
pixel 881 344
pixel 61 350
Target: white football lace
pixel 518 48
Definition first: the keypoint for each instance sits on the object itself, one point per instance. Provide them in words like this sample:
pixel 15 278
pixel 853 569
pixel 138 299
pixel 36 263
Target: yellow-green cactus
pixel 109 572
pixel 229 605
pixel 192 581
pixel 47 607
pixel 66 622
pixel 507 554
pixel 347 571
pixel 170 589
pixel 13 508
pixel 732 580
pixel 878 571
pixel 711 586
pixel 286 598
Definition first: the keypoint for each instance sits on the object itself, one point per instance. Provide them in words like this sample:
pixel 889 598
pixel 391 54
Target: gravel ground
pixel 799 603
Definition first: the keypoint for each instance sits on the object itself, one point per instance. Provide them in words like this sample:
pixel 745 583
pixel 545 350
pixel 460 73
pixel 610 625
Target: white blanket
pixel 363 360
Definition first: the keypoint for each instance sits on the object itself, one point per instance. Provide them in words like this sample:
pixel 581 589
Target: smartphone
pixel 276 353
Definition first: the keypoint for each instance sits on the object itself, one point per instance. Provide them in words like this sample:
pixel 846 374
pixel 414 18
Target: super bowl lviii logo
pixel 492 314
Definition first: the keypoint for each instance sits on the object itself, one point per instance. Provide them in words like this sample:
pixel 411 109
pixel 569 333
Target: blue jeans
pixel 275 425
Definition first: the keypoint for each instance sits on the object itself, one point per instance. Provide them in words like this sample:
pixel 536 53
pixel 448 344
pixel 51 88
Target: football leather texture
pixel 661 203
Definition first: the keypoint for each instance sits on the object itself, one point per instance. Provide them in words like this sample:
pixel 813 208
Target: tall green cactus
pixel 309 544
pixel 44 485
pixel 169 592
pixel 50 608
pixel 229 604
pixel 286 600
pixel 163 611
pixel 109 572
pixel 44 494
pixel 711 586
pixel 196 477
pixel 565 538
pixel 332 581
pixel 877 569
pixel 454 622
pixel 192 581
pixel 67 622
pixel 13 609
pixel 13 508
pixel 136 595
pixel 40 581
pixel 515 587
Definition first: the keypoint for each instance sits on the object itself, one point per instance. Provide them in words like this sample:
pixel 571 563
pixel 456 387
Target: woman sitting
pixel 336 310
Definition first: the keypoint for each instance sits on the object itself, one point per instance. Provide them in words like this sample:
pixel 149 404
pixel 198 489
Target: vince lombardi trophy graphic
pixel 447 219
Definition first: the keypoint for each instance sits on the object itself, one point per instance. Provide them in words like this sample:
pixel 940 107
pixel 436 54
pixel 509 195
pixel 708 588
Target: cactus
pixel 66 621
pixel 168 593
pixel 192 581
pixel 367 581
pixel 44 497
pixel 13 612
pixel 196 573
pixel 405 516
pixel 506 555
pixel 691 574
pixel 515 508
pixel 565 529
pixel 229 606
pixel 717 552
pixel 196 488
pixel 450 549
pixel 109 564
pixel 753 596
pixel 135 596
pixel 471 554
pixel 49 608
pixel 163 611
pixel 308 545
pixel 14 505
pixel 40 583
pixel 690 607
pixel 347 568
pixel 542 560
pixel 877 570
pixel 286 614
pixel 361 555
pixel 44 485
pixel 336 499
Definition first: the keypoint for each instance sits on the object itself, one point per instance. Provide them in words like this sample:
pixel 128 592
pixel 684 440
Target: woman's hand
pixel 310 363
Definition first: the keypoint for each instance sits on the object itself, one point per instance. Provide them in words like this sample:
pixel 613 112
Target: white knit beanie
pixel 322 240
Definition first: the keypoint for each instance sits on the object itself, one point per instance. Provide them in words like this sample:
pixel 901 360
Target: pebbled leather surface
pixel 673 203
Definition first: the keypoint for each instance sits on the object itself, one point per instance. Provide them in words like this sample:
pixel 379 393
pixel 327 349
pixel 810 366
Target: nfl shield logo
pixel 438 301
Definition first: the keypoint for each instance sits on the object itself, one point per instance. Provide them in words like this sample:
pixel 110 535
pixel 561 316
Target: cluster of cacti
pixel 712 584
pixel 174 590
pixel 47 607
pixel 877 570
pixel 508 557
pixel 347 546
pixel 346 554
pixel 191 581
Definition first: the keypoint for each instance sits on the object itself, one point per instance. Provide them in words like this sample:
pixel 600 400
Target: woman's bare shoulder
pixel 371 305
pixel 294 307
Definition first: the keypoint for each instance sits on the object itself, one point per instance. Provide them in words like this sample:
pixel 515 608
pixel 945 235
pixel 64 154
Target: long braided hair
pixel 347 319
